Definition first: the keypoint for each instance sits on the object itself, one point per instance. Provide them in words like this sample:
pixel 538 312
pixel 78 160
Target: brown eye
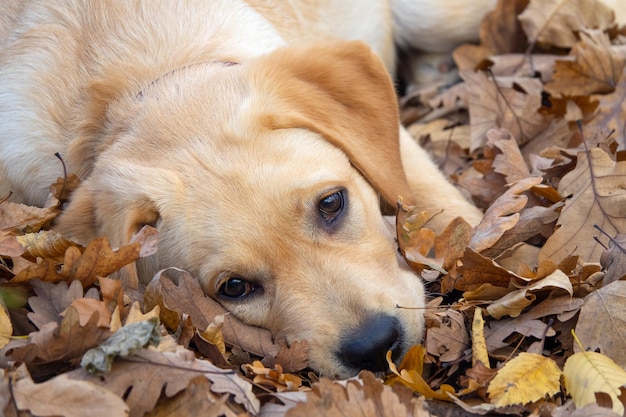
pixel 331 206
pixel 236 287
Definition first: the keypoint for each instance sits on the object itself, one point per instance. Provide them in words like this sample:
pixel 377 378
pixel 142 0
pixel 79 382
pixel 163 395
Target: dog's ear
pixel 342 91
pixel 93 212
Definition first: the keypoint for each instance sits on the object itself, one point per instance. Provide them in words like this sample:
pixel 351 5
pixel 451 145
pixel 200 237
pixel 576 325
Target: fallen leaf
pixel 124 342
pixel 180 292
pixel 597 188
pixel 409 374
pixel 479 345
pixel 6 328
pixel 493 105
pixel 62 396
pixel 613 260
pixel 556 22
pixel 527 377
pixel 366 397
pixel 20 217
pixel 602 322
pixel 449 339
pixel 141 378
pixel 273 378
pixel 45 244
pixel 586 373
pixel 195 400
pixel 597 68
pixel 502 215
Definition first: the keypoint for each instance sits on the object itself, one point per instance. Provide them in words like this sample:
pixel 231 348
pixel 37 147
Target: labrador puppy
pixel 258 138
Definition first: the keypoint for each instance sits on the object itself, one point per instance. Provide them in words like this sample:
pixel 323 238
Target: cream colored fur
pixel 223 125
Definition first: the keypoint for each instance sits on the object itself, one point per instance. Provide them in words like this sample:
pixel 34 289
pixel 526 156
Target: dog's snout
pixel 367 346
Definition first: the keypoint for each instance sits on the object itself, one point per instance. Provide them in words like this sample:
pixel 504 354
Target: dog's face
pixel 249 174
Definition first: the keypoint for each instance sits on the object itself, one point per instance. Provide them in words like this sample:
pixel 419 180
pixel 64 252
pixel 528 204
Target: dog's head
pixel 263 180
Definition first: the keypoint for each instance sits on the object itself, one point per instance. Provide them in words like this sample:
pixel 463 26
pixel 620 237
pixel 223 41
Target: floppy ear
pixel 342 91
pixel 95 212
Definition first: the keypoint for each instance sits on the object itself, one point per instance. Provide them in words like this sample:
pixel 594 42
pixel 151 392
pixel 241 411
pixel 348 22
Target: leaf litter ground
pixel 527 313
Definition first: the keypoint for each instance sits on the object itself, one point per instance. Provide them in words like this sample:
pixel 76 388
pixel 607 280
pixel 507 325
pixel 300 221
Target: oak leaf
pixel 20 217
pixel 62 396
pixel 449 339
pixel 51 300
pixel 602 322
pixel 502 215
pixel 613 260
pixel 557 22
pixel 177 291
pixel 596 70
pixel 494 105
pixel 598 197
pixel 58 343
pixel 142 377
pixel 366 397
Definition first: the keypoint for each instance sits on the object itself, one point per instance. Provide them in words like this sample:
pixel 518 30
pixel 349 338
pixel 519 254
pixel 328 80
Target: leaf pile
pixel 534 132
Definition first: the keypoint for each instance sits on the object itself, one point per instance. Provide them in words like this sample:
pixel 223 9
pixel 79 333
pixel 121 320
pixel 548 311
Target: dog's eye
pixel 236 287
pixel 331 206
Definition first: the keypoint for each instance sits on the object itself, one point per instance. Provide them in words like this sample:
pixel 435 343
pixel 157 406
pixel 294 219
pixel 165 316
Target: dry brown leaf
pixel 20 217
pixel 273 378
pixel 98 260
pixel 596 69
pixel 613 260
pixel 493 105
pixel 557 22
pixel 180 292
pixel 525 325
pixel 502 215
pixel 195 400
pixel 294 357
pixel 608 119
pixel 45 244
pixel 366 397
pixel 61 396
pixel 63 342
pixel 602 322
pixel 510 162
pixel 500 33
pixel 478 270
pixel 449 339
pixel 10 246
pixel 51 300
pixel 86 307
pixel 149 373
pixel 598 190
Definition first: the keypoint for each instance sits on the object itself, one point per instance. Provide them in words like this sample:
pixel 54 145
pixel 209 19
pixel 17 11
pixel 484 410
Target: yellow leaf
pixel 213 334
pixel 527 377
pixel 135 315
pixel 589 372
pixel 6 329
pixel 410 375
pixel 479 345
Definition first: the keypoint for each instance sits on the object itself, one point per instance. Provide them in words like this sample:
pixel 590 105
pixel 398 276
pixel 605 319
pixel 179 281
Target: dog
pixel 258 137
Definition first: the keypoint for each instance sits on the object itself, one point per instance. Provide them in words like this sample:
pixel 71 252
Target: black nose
pixel 367 346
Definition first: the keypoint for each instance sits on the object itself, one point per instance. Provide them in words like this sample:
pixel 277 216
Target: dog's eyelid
pixel 331 204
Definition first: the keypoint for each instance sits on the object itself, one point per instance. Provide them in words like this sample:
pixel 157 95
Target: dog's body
pixel 258 157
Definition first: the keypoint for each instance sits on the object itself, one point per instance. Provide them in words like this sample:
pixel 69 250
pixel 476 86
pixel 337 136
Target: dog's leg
pixel 431 189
